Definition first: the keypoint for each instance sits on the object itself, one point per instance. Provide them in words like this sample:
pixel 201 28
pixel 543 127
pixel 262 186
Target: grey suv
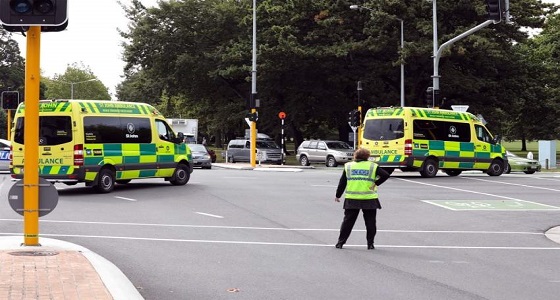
pixel 239 150
pixel 331 153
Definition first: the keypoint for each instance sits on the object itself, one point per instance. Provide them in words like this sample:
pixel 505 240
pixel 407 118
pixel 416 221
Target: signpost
pixel 282 116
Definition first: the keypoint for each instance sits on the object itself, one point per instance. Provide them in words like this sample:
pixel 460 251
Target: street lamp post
pixel 359 7
pixel 72 85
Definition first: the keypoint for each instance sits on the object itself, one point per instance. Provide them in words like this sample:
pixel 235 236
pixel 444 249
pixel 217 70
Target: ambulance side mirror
pixel 497 139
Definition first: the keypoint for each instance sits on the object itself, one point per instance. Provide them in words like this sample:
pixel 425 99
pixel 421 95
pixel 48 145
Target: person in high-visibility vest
pixel 360 179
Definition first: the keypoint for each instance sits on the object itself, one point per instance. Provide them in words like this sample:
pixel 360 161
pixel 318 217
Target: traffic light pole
pixel 31 135
pixel 447 44
pixel 253 156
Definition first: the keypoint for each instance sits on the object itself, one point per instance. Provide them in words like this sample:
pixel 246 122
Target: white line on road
pixel 281 228
pixel 457 189
pixel 127 199
pixel 517 184
pixel 209 215
pixel 291 244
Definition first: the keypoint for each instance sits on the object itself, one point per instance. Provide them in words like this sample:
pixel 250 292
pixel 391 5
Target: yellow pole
pixel 359 133
pixel 253 140
pixel 31 135
pixel 9 121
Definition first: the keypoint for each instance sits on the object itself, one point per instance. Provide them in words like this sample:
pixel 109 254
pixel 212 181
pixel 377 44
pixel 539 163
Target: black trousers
pixel 350 216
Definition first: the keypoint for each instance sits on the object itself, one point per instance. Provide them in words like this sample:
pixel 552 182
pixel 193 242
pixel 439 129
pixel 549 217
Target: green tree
pixel 77 82
pixel 12 72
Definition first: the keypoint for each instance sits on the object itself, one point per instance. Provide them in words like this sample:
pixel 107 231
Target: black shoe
pixel 370 247
pixel 339 245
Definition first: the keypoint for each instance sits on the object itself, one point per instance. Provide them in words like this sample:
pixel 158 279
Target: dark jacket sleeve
pixel 383 176
pixel 341 185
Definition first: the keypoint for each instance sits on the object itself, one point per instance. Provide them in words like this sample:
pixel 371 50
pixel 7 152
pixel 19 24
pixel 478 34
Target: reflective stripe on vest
pixel 361 180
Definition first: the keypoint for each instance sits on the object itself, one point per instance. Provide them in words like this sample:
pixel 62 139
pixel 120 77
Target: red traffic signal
pixel 10 100
pixel 33 12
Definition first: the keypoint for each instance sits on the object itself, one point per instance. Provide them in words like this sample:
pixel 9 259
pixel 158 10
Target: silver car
pixel 200 155
pixel 330 153
pixel 4 155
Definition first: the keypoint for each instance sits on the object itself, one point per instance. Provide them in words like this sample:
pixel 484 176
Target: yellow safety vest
pixel 361 180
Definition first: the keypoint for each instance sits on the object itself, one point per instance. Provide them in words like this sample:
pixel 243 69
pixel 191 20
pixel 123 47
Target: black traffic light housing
pixel 10 99
pixel 495 9
pixel 33 12
pixel 354 118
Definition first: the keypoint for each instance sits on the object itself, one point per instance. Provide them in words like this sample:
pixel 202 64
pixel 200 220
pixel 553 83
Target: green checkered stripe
pixel 133 160
pixel 456 154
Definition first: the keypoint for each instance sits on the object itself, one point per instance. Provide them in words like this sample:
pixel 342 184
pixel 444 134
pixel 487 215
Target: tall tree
pixel 77 82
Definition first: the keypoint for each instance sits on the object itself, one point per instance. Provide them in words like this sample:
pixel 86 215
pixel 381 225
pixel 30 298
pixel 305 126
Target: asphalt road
pixel 241 234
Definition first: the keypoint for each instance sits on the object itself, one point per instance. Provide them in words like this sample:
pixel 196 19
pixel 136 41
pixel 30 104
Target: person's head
pixel 361 154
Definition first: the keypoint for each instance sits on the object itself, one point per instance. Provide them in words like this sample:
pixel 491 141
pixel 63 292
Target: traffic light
pixel 33 12
pixel 354 118
pixel 430 97
pixel 10 100
pixel 495 9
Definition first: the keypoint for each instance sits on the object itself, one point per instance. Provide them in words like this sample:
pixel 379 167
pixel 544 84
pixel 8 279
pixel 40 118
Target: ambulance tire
pixel 453 172
pixel 507 169
pixel 496 168
pixel 105 181
pixel 181 175
pixel 429 168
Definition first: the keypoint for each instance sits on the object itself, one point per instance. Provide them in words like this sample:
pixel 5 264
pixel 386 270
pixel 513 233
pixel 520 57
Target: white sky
pixel 91 39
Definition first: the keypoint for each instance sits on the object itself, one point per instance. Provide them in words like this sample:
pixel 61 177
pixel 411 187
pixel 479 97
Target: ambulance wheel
pixel 181 175
pixel 105 181
pixel 331 162
pixel 303 160
pixel 453 172
pixel 507 169
pixel 430 168
pixel 496 168
pixel 123 181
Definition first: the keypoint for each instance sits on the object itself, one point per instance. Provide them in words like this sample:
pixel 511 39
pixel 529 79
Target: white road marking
pixel 290 244
pixel 282 228
pixel 458 189
pixel 516 184
pixel 209 215
pixel 124 198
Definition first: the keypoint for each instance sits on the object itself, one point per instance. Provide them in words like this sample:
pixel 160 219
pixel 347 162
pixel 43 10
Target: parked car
pixel 239 150
pixel 200 155
pixel 521 164
pixel 331 153
pixel 4 155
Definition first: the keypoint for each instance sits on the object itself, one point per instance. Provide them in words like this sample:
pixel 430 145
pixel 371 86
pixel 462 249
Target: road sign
pixel 48 197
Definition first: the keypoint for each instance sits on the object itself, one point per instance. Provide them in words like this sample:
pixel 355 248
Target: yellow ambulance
pixel 102 143
pixel 428 140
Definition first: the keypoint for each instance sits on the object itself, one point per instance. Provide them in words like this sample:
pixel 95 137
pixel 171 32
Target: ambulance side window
pixel 164 131
pixel 482 134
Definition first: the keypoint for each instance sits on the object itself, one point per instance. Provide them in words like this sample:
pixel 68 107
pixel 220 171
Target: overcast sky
pixel 92 39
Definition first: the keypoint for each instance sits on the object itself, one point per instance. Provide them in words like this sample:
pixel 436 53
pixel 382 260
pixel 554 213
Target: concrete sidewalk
pixel 59 270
